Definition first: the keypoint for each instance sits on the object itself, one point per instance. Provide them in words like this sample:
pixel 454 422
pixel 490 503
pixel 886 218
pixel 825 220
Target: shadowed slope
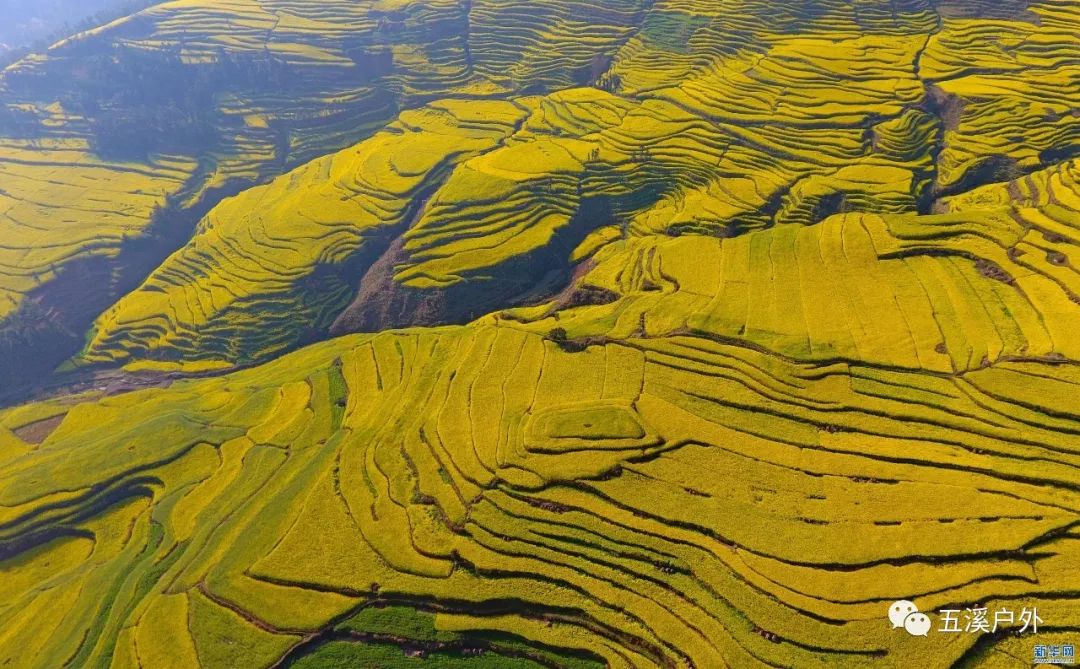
pixel 189 101
pixel 772 314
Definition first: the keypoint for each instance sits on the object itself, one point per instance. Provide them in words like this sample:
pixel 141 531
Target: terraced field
pixel 187 102
pixel 706 149
pixel 686 333
pixel 513 498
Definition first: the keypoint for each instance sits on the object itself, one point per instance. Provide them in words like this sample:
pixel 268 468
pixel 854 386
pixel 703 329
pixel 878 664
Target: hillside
pixel 185 103
pixel 568 333
pixel 23 24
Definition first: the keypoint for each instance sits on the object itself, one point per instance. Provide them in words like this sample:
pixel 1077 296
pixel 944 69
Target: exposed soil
pixel 948 108
pixel 1015 10
pixel 39 431
pixel 379 302
pixel 532 278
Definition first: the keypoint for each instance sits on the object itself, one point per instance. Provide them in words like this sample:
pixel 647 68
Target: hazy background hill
pixel 24 23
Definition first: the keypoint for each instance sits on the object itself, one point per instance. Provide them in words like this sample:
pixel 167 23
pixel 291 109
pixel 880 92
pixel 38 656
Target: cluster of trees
pixel 137 102
pixel 16 122
pixel 142 102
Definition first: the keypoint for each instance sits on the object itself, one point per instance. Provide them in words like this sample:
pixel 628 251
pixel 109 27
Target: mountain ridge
pixel 693 333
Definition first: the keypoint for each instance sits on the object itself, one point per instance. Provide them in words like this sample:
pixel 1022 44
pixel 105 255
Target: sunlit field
pixel 542 333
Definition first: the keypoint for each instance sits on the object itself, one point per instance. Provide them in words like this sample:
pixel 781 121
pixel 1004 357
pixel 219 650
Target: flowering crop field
pixel 543 333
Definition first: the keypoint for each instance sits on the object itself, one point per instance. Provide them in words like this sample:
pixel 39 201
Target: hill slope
pixel 756 130
pixel 685 333
pixel 186 102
